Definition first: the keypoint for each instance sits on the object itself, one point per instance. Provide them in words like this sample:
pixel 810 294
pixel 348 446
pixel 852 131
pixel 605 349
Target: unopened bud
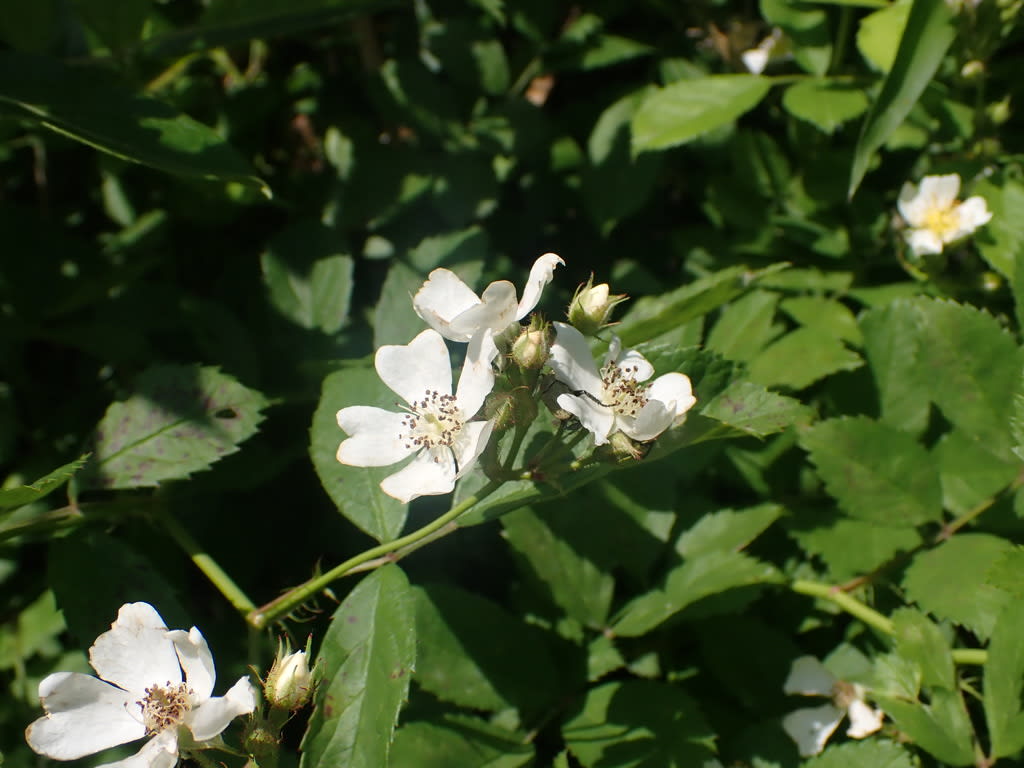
pixel 972 70
pixel 289 684
pixel 624 449
pixel 999 112
pixel 533 347
pixel 592 307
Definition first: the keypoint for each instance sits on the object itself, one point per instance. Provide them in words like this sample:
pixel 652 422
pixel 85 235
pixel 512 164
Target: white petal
pixel 443 297
pixel 375 437
pixel 595 418
pixel 477 378
pixel 810 728
pixel 863 719
pixel 653 419
pixel 923 241
pixel 84 716
pixel 940 191
pixel 540 275
pixel 675 391
pixel 212 716
pixel 411 370
pixel 423 476
pixel 911 205
pixel 135 652
pixel 159 752
pixel 470 444
pixel 572 361
pixel 809 677
pixel 754 60
pixel 497 310
pixel 973 213
pixel 197 661
pixel 634 366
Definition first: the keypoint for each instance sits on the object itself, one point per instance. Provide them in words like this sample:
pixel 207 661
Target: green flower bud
pixel 999 112
pixel 591 307
pixel 531 350
pixel 290 683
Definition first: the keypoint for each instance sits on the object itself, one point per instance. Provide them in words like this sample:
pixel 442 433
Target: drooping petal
pixel 374 437
pixel 596 418
pixel 863 719
pixel 923 241
pixel 470 444
pixel 940 191
pixel 441 298
pixel 413 369
pixel 159 752
pixel 973 213
pixel 540 275
pixel 212 716
pixel 809 677
pixel 135 652
pixel 572 361
pixel 653 419
pixel 84 716
pixel 477 378
pixel 675 391
pixel 496 310
pixel 423 476
pixel 196 660
pixel 810 728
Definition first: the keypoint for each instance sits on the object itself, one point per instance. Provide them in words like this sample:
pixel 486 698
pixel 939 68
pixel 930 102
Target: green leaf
pixel 745 326
pixel 308 278
pixel 875 472
pixel 354 490
pixel 941 727
pixel 929 33
pixel 699 577
pixel 178 420
pixel 891 344
pixel 968 599
pixel 801 358
pixel 970 473
pixel 684 110
pixel 749 409
pixel 807 28
pixel 116 120
pixel 458 741
pixel 36 629
pixel 827 315
pixel 851 547
pixel 878 35
pixel 639 723
pixel 117 24
pixel 871 753
pixel 826 104
pixel 920 641
pixel 1004 682
pixel 394 319
pixel 366 661
pixel 475 654
pixel 1002 238
pixel 11 498
pixel 727 529
pixel 578 585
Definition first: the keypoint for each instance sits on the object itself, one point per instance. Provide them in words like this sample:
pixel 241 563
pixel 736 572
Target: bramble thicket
pixel 501 384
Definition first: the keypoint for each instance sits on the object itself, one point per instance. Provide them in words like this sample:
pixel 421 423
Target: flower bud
pixel 592 306
pixel 999 112
pixel 533 347
pixel 290 683
pixel 625 450
pixel 972 70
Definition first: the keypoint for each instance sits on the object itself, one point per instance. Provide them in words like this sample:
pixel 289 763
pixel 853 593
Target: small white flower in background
pixel 811 728
pixel 616 399
pixel 757 58
pixel 435 424
pixel 153 682
pixel 450 307
pixel 934 215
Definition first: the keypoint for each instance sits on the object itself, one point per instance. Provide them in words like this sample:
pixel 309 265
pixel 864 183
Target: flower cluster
pixel 444 432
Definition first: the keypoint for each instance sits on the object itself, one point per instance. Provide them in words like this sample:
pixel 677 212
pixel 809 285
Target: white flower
pixel 450 307
pixel 810 728
pixel 152 682
pixel 435 424
pixel 616 398
pixel 935 216
pixel 757 58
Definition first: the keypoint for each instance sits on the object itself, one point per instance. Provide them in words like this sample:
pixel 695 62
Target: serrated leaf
pixel 875 472
pixel 750 409
pixel 1004 682
pixel 458 741
pixel 891 343
pixel 684 110
pixel 636 723
pixel 366 661
pixel 826 104
pixel 968 599
pixel 871 753
pixel 970 473
pixel 117 120
pixel 355 490
pixel 926 38
pixel 179 419
pixel 1002 238
pixel 727 529
pixel 851 547
pixel 475 654
pixel 696 578
pixel 920 641
pixel 801 358
pixel 827 315
pixel 10 498
pixel 745 326
pixel 941 727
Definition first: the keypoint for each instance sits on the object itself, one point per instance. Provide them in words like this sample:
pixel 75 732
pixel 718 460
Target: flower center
pixel 942 221
pixel 165 706
pixel 621 391
pixel 432 423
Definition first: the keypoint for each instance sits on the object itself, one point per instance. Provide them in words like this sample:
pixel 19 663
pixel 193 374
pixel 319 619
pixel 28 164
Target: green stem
pixel 849 604
pixel 842 38
pixel 281 606
pixel 205 563
pixel 974 656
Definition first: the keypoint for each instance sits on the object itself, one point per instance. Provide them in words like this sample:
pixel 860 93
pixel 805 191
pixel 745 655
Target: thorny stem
pixel 281 606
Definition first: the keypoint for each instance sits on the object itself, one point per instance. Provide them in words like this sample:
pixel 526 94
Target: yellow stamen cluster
pixel 433 422
pixel 165 706
pixel 622 392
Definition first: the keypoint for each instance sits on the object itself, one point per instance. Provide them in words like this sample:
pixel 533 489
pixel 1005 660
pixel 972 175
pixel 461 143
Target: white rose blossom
pixel 811 727
pixel 934 215
pixel 616 399
pixel 153 682
pixel 435 424
pixel 450 307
